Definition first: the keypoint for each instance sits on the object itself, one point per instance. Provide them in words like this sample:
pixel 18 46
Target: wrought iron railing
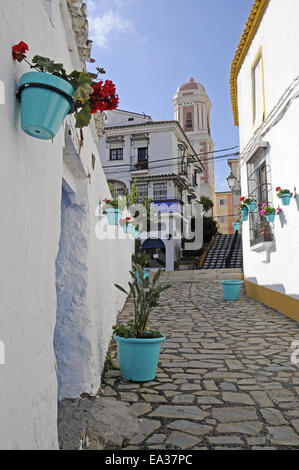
pixel 259 228
pixel 140 166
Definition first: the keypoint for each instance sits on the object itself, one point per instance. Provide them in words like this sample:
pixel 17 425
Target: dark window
pixel 189 121
pixel 116 154
pixel 143 154
pixel 258 188
pixel 130 119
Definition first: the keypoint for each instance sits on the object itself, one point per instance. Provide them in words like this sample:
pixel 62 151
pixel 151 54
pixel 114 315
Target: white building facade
pixel 160 157
pixel 58 302
pixel 265 90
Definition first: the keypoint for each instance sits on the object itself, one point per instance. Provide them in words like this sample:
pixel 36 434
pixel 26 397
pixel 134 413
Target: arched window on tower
pixel 189 121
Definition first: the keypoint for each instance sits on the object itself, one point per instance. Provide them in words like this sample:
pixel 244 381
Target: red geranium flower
pixel 19 51
pixel 242 198
pixel 104 97
pixel 278 188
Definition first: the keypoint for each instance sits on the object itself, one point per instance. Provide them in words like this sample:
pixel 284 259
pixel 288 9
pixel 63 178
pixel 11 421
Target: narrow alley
pixel 225 378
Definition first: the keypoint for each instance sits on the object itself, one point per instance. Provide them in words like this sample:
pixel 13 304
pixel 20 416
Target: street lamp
pixel 231 179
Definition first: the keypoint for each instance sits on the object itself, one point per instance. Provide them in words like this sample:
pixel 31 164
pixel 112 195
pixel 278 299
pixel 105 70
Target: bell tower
pixel 192 110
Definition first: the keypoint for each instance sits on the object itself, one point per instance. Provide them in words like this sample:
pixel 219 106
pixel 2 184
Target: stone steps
pixel 201 275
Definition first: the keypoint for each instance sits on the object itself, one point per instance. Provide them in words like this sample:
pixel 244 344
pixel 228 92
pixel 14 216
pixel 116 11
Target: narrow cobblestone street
pixel 225 379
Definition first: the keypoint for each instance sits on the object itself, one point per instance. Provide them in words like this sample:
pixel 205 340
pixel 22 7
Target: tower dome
pixel 191 85
pixel 192 107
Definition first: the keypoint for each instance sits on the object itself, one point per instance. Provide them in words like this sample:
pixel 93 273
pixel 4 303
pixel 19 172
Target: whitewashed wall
pixel 32 173
pixel 278 34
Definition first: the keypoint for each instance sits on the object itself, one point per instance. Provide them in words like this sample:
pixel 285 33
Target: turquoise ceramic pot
pixel 138 357
pixel 244 214
pixel 231 289
pixel 251 206
pixel 286 199
pixel 135 233
pixel 270 217
pixel 126 228
pixel 236 226
pixel 113 216
pixel 43 110
pixel 145 275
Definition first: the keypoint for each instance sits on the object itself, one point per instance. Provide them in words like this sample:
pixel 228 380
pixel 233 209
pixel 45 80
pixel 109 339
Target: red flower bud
pixel 19 51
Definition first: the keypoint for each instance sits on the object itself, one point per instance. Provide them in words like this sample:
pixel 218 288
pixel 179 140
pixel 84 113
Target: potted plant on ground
pixel 231 289
pixel 243 210
pixel 284 194
pixel 140 258
pixel 138 346
pixel 49 93
pixel 269 212
pixel 111 208
pixel 236 224
pixel 126 224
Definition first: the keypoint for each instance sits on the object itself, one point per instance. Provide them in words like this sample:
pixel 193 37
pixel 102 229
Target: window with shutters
pixel 160 190
pixel 142 189
pixel 116 154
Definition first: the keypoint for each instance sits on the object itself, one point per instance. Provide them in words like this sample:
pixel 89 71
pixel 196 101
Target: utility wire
pixel 132 167
pixel 181 157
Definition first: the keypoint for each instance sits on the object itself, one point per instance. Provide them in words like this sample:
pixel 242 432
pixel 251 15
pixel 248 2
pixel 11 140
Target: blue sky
pixel 149 47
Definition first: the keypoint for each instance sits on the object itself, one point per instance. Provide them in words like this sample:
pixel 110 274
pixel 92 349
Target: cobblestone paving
pixel 225 380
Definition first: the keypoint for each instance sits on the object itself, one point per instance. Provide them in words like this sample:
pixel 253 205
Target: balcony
pixel 141 166
pixel 260 233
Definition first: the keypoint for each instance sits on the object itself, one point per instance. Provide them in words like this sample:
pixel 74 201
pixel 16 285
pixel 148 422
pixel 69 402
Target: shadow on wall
pixel 297 201
pixel 72 331
pixel 277 287
pixel 282 219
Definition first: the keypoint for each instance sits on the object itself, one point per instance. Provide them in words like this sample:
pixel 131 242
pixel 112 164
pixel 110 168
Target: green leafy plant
pixel 246 200
pixel 145 296
pixel 110 204
pixel 140 258
pixel 243 206
pixel 280 191
pixel 89 96
pixel 266 209
pixel 206 202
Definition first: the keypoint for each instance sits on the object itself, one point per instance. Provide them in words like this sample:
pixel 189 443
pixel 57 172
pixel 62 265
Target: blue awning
pixel 153 243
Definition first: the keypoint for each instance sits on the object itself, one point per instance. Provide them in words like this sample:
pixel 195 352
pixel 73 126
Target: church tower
pixel 192 110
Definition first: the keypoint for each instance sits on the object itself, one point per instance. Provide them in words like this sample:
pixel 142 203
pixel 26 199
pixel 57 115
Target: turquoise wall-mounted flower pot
pixel 231 289
pixel 113 216
pixel 135 233
pixel 236 226
pixel 145 275
pixel 43 109
pixel 286 199
pixel 138 357
pixel 126 228
pixel 244 214
pixel 251 206
pixel 270 217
